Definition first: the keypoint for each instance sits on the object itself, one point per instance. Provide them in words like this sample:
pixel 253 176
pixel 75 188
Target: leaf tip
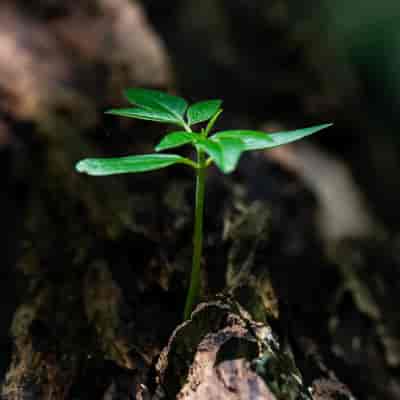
pixel 227 171
pixel 81 166
pixel 89 166
pixel 328 124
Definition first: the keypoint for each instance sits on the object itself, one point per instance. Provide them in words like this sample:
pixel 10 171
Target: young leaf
pixel 224 152
pixel 231 151
pixel 154 100
pixel 252 140
pixel 202 111
pixel 176 139
pixel 122 165
pixel 148 115
pixel 255 140
pixel 213 149
pixel 280 138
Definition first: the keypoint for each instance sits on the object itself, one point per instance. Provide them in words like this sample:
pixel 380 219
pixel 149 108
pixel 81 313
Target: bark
pixel 102 265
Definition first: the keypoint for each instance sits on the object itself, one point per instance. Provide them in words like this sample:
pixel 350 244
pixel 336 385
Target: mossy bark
pixel 102 264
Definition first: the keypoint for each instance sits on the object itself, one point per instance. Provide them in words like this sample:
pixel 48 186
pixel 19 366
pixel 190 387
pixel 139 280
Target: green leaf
pixel 176 139
pixel 255 140
pixel 224 152
pixel 231 151
pixel 213 149
pixel 148 115
pixel 202 111
pixel 153 100
pixel 281 138
pixel 252 140
pixel 122 165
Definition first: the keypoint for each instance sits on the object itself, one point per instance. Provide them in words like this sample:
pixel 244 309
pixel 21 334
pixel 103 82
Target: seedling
pixel 221 148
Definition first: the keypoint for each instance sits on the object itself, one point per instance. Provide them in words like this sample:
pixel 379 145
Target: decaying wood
pixel 49 54
pixel 102 266
pixel 222 354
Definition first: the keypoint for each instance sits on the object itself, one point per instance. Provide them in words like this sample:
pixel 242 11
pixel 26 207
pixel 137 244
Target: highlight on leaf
pixel 280 138
pixel 155 100
pixel 202 111
pixel 129 164
pixel 224 152
pixel 147 115
pixel 256 140
pixel 176 139
pixel 232 149
pixel 252 140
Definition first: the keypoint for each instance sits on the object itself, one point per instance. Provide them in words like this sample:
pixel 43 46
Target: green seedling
pixel 221 148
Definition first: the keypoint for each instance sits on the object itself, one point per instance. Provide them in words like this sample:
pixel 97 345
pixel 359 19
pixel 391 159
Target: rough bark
pixel 102 264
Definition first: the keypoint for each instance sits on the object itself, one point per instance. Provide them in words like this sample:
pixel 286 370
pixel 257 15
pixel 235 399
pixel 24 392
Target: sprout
pixel 222 148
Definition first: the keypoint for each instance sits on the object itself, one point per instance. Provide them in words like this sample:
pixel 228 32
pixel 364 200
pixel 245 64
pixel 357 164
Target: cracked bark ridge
pixel 221 353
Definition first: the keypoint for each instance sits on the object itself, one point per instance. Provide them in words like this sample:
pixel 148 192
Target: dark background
pixel 279 64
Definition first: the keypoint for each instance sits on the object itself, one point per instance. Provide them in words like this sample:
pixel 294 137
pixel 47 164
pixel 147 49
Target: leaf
pixel 176 139
pixel 202 111
pixel 255 140
pixel 252 140
pixel 141 113
pixel 231 151
pixel 213 149
pixel 281 138
pixel 224 152
pixel 122 165
pixel 153 100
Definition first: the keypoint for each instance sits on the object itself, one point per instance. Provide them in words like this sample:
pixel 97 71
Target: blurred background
pixel 277 65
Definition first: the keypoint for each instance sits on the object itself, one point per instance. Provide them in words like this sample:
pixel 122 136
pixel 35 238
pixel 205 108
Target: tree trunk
pixel 101 265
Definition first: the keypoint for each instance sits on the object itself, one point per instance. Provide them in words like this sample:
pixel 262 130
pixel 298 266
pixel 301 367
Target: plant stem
pixel 194 288
pixel 211 123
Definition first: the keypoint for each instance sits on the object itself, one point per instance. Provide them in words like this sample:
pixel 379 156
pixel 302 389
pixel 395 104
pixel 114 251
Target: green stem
pixel 194 288
pixel 212 122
